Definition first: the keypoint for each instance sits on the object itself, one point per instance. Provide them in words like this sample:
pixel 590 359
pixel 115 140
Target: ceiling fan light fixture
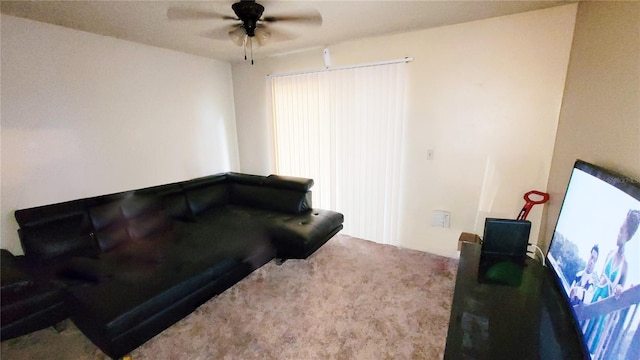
pixel 237 35
pixel 250 26
pixel 262 36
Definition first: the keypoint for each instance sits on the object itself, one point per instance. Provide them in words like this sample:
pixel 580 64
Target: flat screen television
pixel 595 257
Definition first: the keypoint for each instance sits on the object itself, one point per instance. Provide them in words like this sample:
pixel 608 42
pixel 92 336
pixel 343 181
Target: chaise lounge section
pixel 133 263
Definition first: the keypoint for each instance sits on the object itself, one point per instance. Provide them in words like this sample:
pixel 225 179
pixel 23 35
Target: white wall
pixel 85 115
pixel 600 117
pixel 484 95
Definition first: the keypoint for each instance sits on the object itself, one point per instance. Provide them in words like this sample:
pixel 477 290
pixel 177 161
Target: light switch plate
pixel 441 218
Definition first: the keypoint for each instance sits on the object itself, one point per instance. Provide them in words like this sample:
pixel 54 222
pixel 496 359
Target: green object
pixel 505 272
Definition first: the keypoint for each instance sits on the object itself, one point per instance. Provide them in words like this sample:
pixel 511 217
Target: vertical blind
pixel 343 128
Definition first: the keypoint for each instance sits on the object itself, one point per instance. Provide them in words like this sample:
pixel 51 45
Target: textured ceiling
pixel 146 21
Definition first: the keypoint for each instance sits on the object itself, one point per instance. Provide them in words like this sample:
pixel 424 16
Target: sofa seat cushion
pixel 220 233
pixel 116 306
pixel 148 252
pixel 149 225
pixel 295 236
pixel 131 259
pixel 85 269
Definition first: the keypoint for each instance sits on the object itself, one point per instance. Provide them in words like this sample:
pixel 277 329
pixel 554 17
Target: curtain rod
pixel 403 60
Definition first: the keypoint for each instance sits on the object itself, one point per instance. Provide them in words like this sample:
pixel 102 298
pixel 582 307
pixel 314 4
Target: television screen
pixel 595 254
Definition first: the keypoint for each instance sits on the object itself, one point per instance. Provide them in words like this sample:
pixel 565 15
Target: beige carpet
pixel 353 299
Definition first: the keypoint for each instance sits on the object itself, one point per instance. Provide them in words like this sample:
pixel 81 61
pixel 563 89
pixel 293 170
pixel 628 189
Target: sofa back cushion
pixel 68 235
pixel 112 237
pixel 109 224
pixel 274 192
pixel 269 198
pixel 207 197
pixel 176 207
pixel 279 193
pixel 145 216
pixel 173 200
pixel 135 216
pixel 106 215
pixel 206 193
pixel 55 230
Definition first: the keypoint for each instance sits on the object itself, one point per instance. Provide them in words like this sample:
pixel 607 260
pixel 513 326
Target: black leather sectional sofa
pixel 126 266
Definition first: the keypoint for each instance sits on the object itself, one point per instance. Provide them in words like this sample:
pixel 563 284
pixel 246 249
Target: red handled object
pixel 530 202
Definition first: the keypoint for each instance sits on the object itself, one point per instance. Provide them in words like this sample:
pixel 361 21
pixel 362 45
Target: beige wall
pixel 484 95
pixel 84 115
pixel 600 116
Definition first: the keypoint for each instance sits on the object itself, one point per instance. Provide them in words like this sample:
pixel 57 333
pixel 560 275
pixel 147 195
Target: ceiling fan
pixel 249 23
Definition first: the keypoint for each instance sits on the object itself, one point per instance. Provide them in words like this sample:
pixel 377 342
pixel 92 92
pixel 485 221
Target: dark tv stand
pixel 524 321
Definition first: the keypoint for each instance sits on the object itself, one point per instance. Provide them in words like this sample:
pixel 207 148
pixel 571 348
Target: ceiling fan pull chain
pixel 251 49
pixel 244 46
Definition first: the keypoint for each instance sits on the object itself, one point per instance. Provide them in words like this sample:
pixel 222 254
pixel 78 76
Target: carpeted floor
pixel 353 299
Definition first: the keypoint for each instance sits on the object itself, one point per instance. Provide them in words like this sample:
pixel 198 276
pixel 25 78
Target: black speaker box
pixel 506 238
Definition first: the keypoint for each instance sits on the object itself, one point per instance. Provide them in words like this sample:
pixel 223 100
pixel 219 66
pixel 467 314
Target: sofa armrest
pixel 288 183
pixel 12 278
pixel 27 305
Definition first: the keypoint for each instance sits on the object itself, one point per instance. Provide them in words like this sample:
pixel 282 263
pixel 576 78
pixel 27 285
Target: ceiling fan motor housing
pixel 249 12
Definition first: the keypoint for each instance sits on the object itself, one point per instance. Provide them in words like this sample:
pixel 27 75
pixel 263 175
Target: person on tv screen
pixel 615 265
pixel 613 277
pixel 583 286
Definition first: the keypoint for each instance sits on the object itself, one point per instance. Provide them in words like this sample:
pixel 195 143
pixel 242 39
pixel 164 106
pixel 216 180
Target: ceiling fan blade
pixel 308 18
pixel 276 35
pixel 221 33
pixel 180 13
pixel 267 34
